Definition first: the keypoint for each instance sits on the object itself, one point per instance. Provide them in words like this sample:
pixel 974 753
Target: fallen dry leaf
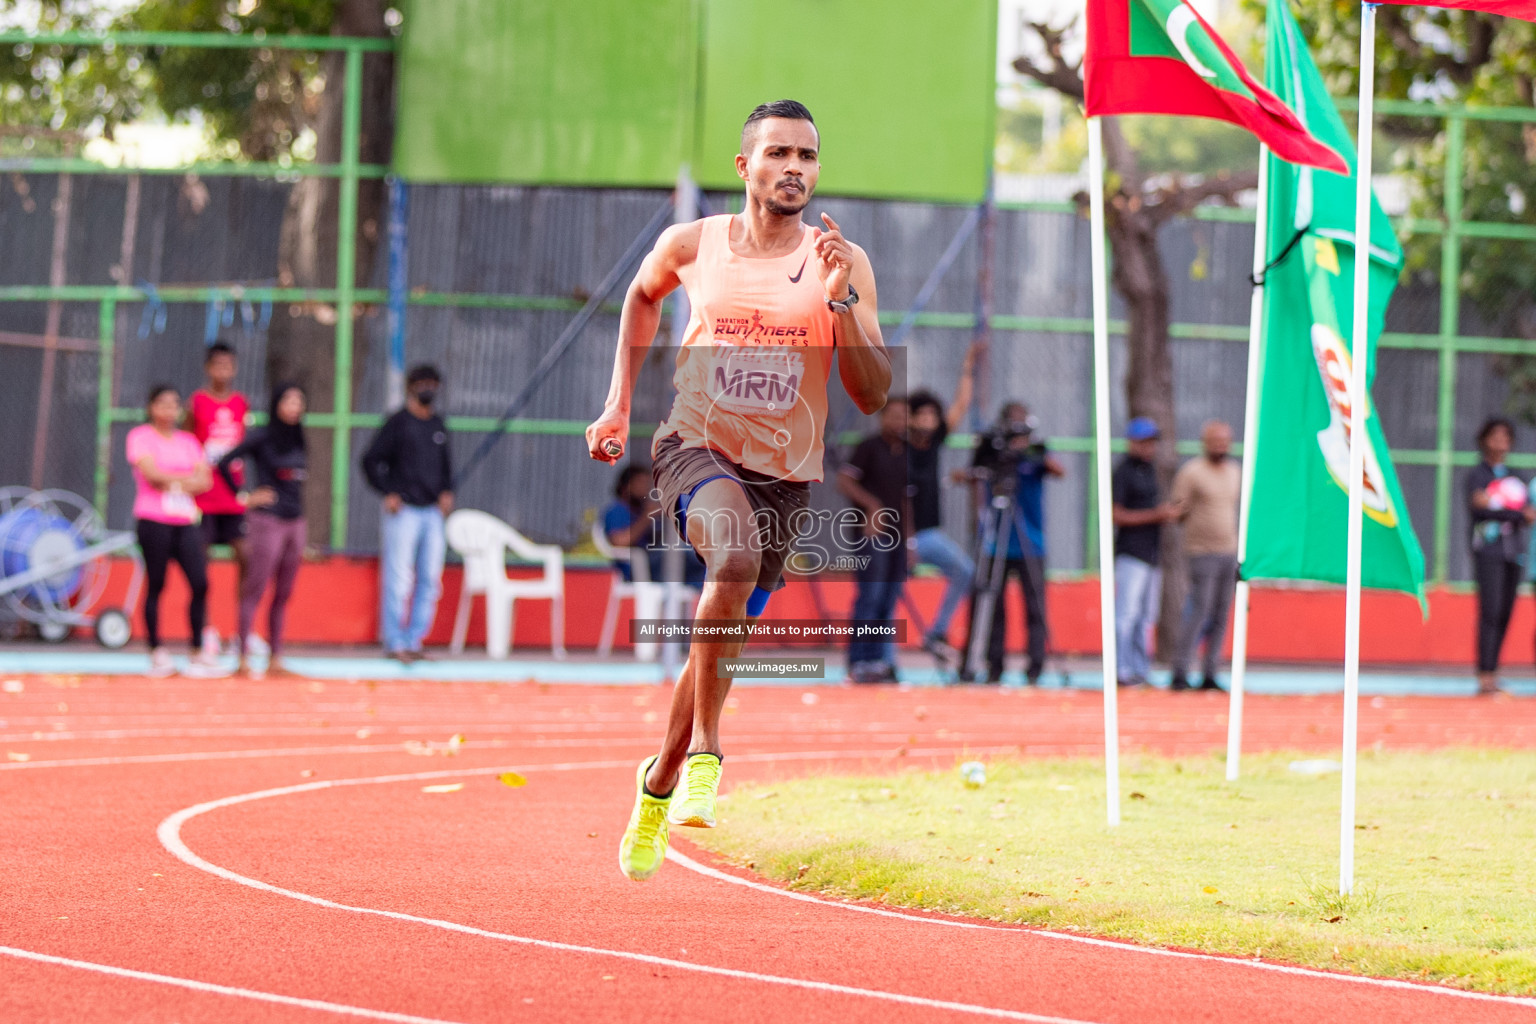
pixel 449 787
pixel 12 755
pixel 511 779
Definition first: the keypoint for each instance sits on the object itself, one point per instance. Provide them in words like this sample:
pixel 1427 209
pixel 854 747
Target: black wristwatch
pixel 846 304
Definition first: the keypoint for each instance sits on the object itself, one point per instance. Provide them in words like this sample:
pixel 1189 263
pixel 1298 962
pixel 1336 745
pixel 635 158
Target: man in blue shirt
pixel 633 521
pixel 1012 461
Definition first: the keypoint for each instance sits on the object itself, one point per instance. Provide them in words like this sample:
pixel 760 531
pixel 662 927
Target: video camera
pixel 1002 449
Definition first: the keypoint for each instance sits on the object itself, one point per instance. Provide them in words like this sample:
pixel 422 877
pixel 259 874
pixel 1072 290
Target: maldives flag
pixel 1160 57
pixel 1523 9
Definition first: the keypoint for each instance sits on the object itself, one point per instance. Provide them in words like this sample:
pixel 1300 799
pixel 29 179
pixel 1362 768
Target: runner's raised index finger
pixel 831 224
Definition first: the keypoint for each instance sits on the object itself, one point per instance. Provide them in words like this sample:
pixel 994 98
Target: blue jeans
pixel 1138 597
pixel 411 556
pixel 880 583
pixel 937 548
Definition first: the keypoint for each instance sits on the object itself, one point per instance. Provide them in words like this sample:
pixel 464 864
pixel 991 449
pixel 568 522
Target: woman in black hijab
pixel 276 460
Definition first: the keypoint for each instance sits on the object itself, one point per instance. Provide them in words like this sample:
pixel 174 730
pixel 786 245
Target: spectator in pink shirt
pixel 169 471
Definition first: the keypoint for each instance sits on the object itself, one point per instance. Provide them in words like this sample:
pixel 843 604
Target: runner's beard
pixel 782 209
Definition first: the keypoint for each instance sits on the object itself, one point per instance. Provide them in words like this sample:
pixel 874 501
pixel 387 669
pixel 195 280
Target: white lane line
pixel 400 747
pixel 683 860
pixel 169 833
pixel 223 990
pixel 218 755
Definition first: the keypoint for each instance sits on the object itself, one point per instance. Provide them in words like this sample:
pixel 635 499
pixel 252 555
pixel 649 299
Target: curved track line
pixel 223 990
pixel 169 833
pixel 683 860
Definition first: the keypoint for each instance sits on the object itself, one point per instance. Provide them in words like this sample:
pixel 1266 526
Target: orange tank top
pixel 751 377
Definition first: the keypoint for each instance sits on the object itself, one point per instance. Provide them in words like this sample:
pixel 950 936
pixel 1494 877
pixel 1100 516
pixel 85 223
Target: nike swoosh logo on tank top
pixel 801 271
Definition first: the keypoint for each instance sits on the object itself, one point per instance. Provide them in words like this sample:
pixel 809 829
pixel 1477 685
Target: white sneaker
pixel 160 664
pixel 210 642
pixel 257 644
pixel 204 666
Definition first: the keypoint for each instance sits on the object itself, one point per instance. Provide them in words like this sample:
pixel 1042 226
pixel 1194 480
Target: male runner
pixel 734 458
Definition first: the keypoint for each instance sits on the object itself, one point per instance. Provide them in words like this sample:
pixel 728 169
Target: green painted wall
pixel 902 90
pixel 621 92
pixel 595 92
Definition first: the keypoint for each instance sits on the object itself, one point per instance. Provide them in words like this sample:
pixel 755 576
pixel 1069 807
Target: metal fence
pixel 107 283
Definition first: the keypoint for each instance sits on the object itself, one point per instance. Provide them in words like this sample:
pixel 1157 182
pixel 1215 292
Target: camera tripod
pixel 1001 523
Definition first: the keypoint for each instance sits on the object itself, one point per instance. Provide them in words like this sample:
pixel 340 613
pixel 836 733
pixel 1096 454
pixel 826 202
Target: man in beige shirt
pixel 1208 489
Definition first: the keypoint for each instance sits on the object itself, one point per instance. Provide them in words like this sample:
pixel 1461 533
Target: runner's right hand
pixel 610 424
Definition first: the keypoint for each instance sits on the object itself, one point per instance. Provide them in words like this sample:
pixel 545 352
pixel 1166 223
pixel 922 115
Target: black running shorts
pixel 679 472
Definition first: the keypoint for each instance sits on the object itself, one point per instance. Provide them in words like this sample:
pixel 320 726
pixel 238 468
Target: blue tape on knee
pixel 686 499
pixel 758 601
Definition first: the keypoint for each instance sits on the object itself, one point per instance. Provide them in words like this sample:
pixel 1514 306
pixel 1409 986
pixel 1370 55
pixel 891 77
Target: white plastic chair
pixel 652 600
pixel 482 541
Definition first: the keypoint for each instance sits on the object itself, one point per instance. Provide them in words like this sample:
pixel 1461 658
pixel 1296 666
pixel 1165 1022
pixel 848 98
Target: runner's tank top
pixel 751 377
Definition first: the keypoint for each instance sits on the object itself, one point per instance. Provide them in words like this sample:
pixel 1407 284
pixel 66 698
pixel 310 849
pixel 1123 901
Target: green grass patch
pixel 1446 889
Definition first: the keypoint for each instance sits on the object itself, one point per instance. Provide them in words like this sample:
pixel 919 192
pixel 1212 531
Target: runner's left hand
pixel 834 259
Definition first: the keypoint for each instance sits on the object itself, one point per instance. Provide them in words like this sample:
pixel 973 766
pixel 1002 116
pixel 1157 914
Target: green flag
pixel 1298 508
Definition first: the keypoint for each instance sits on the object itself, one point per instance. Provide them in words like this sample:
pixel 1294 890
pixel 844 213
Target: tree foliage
pixel 265 102
pixel 54 97
pixel 263 99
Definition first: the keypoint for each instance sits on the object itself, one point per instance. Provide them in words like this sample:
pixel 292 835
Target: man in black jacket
pixel 409 464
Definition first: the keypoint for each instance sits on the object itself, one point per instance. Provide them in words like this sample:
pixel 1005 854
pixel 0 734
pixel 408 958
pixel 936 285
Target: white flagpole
pixel 1101 446
pixel 1250 446
pixel 1357 444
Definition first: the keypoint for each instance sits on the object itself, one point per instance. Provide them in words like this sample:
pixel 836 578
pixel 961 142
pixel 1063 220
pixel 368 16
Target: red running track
pixel 221 851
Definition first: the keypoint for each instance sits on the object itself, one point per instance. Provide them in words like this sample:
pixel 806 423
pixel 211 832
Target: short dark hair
pixel 421 372
pixel 156 390
pixel 793 110
pixel 1493 423
pixel 627 474
pixel 218 348
pixel 923 399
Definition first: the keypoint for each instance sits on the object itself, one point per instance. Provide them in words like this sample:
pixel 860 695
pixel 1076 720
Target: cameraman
pixel 1009 467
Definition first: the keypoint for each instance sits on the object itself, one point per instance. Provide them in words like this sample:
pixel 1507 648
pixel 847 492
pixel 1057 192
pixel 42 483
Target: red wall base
pixel 336 602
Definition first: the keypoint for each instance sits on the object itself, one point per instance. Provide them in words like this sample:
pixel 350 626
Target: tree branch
pixel 1167 203
pixel 1060 74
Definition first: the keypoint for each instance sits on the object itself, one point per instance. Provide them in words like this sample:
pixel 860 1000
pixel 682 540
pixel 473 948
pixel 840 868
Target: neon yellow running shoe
pixel 696 804
pixel 644 846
